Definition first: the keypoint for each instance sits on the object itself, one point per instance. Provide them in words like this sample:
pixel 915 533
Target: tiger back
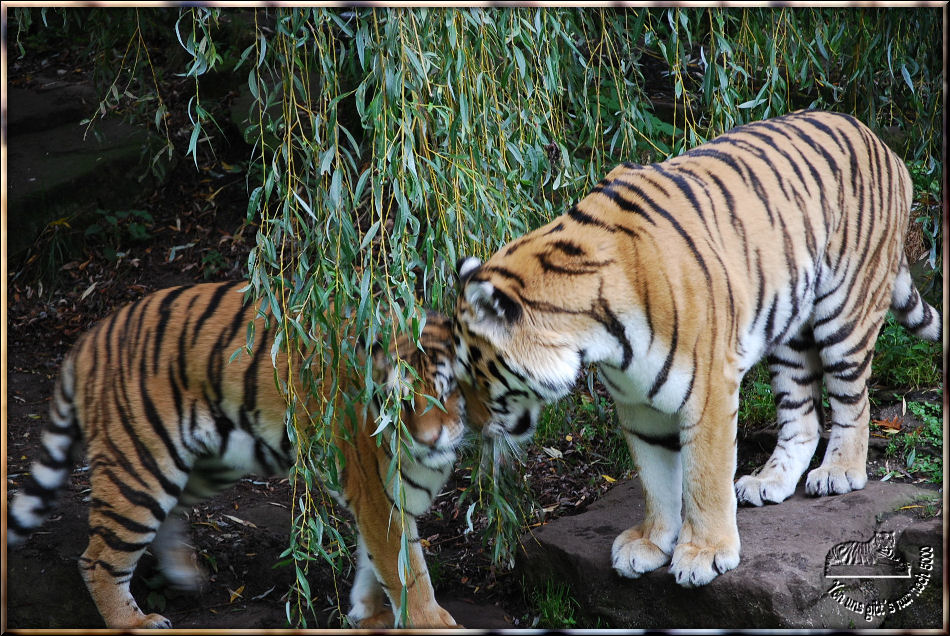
pixel 780 239
pixel 167 418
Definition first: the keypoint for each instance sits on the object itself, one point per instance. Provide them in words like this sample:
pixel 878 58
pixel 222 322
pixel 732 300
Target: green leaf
pixel 403 566
pixel 326 159
pixel 370 234
pixel 193 142
pixel 752 103
pixel 723 78
pixel 336 188
pixel 907 80
pixel 303 582
pixel 252 83
pixel 821 45
pixel 254 201
pixel 362 36
pixel 519 60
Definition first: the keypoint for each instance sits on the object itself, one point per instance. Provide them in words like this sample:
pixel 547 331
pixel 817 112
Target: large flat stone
pixel 780 581
pixel 49 103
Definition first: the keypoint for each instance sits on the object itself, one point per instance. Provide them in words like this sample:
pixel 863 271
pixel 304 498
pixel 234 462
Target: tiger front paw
pixel 634 554
pixel 835 480
pixel 434 616
pixel 154 621
pixel 380 619
pixel 760 489
pixel 695 565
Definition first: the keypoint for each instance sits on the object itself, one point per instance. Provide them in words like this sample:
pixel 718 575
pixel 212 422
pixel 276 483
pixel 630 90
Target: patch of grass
pixel 756 403
pixel 553 607
pixel 212 263
pixel 926 506
pixel 925 233
pixel 588 422
pixel 74 236
pixel 436 571
pixel 920 449
pixel 56 244
pixel 901 359
pixel 118 229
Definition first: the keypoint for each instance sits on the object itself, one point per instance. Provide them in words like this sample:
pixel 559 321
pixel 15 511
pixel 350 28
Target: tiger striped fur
pixel 167 420
pixel 780 239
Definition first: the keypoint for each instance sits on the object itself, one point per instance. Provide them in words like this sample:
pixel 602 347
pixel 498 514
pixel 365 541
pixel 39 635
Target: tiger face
pixel 884 544
pixel 507 369
pixel 435 418
pixel 436 429
pixel 528 322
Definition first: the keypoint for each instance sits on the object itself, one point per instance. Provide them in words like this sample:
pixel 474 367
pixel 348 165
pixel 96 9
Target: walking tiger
pixel 167 420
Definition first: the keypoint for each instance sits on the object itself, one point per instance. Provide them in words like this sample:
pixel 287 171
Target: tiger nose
pixel 429 437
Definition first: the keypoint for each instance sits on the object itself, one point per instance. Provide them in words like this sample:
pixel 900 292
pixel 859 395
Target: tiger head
pixel 884 544
pixel 511 357
pixel 437 425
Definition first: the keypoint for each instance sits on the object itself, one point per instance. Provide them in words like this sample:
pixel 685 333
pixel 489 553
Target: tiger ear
pixel 487 302
pixel 465 267
pixel 490 303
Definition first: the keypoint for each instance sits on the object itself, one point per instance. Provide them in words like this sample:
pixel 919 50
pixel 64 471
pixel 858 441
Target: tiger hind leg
pixel 123 520
pixel 107 572
pixel 653 440
pixel 846 355
pixel 796 373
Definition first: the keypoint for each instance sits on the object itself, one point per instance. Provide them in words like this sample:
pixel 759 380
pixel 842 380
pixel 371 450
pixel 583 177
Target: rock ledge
pixel 780 582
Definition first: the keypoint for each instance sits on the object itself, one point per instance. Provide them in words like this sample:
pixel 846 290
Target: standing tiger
pixel 782 238
pixel 167 420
